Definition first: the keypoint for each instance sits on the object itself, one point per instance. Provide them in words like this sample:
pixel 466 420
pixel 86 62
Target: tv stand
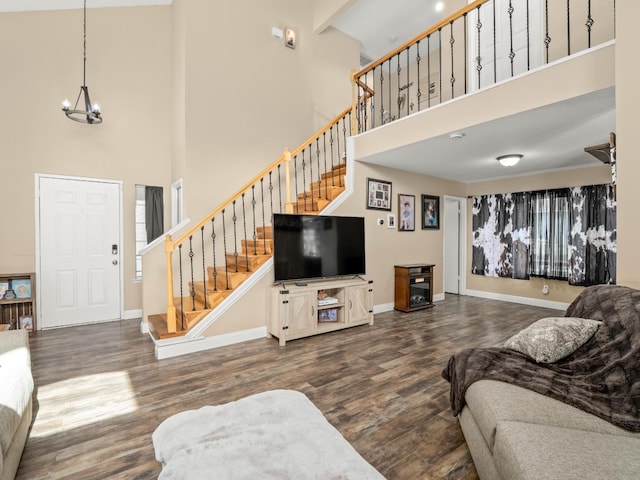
pixel 298 311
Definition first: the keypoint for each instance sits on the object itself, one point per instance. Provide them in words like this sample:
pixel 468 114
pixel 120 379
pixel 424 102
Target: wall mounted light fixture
pixel 509 160
pixel 290 38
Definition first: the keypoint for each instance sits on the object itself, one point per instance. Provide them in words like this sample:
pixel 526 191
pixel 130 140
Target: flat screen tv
pixel 313 246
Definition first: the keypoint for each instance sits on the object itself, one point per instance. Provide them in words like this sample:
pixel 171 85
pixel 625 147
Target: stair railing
pixel 477 46
pixel 232 238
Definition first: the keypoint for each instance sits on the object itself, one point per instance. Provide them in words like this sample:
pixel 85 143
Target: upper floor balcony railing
pixel 482 44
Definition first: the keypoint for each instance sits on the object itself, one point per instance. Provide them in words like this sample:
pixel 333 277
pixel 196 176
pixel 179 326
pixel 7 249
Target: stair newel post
pixel 171 308
pixel 354 104
pixel 288 206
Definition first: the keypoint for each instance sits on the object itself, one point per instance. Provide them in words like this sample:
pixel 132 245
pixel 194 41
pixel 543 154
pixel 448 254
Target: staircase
pixel 221 281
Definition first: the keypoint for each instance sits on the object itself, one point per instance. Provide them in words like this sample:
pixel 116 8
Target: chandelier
pixel 91 112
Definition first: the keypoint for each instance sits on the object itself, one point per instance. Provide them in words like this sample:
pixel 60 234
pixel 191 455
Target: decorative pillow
pixel 551 339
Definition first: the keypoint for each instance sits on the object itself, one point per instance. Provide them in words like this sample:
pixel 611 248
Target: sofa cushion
pixel 525 451
pixel 14 348
pixel 15 394
pixel 492 402
pixel 551 339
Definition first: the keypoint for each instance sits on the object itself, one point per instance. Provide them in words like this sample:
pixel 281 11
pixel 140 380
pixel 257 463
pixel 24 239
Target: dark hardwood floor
pixel 100 392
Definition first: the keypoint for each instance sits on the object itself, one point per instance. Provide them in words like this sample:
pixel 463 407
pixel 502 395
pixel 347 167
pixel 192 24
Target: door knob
pixel 115 262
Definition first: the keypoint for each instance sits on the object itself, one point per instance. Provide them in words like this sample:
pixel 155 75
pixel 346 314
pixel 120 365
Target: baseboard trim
pixel 536 302
pixel 183 345
pixel 385 307
pixel 130 314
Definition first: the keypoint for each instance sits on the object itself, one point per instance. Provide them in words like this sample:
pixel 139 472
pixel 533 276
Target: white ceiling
pixel 550 138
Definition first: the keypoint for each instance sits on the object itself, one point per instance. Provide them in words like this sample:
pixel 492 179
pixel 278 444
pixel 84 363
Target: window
pixel 549 247
pixel 149 215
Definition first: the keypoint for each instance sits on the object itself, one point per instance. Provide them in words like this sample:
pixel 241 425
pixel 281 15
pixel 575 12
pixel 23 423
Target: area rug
pixel 279 434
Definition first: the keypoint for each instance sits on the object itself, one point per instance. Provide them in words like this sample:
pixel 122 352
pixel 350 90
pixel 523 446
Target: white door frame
pixel 462 242
pixel 37 178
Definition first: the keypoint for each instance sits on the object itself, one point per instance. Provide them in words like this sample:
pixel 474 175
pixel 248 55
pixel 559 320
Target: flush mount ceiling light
pixel 509 160
pixel 91 112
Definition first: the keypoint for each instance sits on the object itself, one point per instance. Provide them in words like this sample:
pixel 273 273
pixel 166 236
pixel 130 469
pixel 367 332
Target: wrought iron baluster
pixel 304 180
pixel 324 148
pixel 244 230
pixel 589 23
pixel 253 214
pixel 264 225
pixel 359 107
pixel 332 152
pixel 213 252
pixel 204 268
pixel 512 54
pixel 399 70
pixel 372 99
pixel 495 56
pixel 344 157
pixel 224 245
pixel 568 27
pixel 280 187
pixel 429 71
pixel 440 64
pixel 365 98
pixel 452 41
pixel 234 219
pixel 318 174
pixel 479 58
pixel 528 40
pixel 181 288
pixel 408 92
pixel 466 53
pixel 333 183
pixel 418 91
pixel 390 97
pixel 295 182
pixel 547 38
pixel 192 290
pixel 271 187
pixel 382 110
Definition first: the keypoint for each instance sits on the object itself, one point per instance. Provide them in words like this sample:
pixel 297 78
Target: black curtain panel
pixel 154 212
pixel 592 243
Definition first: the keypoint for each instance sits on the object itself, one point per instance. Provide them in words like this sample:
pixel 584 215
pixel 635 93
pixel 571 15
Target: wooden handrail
pixel 323 130
pixel 420 36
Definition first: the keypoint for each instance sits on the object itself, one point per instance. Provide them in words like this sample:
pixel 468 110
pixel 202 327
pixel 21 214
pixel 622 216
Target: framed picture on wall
pixel 406 212
pixel 430 212
pixel 378 194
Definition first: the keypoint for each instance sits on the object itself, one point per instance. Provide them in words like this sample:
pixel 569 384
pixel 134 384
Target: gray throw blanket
pixel 601 377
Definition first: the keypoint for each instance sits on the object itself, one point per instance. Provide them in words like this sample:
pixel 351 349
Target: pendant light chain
pixel 84 46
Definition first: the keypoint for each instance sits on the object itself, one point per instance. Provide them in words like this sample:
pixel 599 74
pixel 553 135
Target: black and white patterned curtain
pixel 592 242
pixel 565 234
pixel 501 235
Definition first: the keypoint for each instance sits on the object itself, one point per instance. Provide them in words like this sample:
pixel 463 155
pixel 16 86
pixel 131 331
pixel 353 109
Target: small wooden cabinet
pixel 18 301
pixel 302 310
pixel 413 287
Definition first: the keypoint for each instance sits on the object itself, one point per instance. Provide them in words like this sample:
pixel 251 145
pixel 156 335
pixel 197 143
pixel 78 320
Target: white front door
pixel 517 35
pixel 79 230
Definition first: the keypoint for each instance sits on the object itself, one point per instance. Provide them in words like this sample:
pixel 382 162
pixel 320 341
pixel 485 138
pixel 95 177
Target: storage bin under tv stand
pixel 294 312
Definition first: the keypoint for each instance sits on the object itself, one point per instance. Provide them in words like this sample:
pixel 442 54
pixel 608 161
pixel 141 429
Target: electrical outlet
pixel 381 221
pixel 545 289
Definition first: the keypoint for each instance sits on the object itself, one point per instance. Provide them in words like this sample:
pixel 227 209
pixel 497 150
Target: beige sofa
pixel 516 434
pixel 16 389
